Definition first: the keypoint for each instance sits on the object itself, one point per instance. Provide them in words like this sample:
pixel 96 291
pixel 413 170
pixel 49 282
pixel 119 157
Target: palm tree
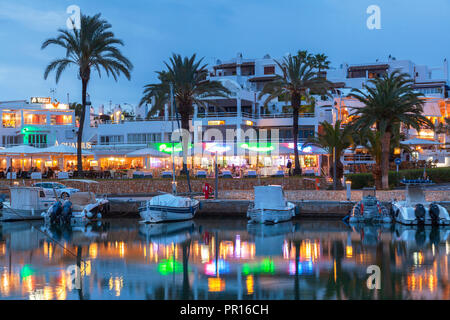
pixel 188 79
pixel 334 140
pixel 388 102
pixel 298 81
pixel 371 141
pixel 92 47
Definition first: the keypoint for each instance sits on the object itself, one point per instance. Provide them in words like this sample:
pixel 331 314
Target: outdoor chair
pixel 201 174
pixel 251 174
pixel 227 174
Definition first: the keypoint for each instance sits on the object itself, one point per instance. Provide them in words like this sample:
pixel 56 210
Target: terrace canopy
pixel 65 149
pixel 149 152
pixel 21 150
pixel 417 142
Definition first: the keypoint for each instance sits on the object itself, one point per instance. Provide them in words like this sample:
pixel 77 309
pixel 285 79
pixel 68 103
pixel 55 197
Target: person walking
pixel 289 166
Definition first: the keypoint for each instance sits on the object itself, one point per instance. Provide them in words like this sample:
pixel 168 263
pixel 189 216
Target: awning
pixel 149 152
pixel 65 149
pixel 417 141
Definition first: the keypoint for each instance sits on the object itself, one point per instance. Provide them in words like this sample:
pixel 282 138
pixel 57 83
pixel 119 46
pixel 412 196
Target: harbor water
pixel 216 259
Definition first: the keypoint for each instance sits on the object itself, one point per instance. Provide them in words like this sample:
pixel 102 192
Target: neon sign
pixel 167 147
pixel 214 147
pixel 307 149
pixel 256 147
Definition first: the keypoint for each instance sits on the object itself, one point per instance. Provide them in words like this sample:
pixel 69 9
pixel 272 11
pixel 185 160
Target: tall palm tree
pixel 92 47
pixel 188 79
pixel 334 140
pixel 299 79
pixel 388 102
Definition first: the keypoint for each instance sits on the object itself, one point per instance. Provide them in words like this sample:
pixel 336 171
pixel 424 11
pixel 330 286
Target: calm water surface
pixel 205 259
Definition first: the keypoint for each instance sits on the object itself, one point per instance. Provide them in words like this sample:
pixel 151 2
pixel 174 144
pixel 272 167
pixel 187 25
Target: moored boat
pixel 369 209
pixel 270 206
pixel 415 210
pixel 167 208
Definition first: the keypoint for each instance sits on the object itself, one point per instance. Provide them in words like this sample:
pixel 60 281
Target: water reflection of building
pixel 312 263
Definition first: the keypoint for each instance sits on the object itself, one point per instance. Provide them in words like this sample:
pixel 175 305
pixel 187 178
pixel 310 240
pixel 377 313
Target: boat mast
pixel 174 183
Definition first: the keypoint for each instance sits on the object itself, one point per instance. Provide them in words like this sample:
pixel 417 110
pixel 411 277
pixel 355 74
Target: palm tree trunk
pixel 185 142
pixel 296 100
pixel 385 149
pixel 80 129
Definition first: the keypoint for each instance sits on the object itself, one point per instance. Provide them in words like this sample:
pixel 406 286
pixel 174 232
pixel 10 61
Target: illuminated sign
pixel 214 147
pixel 167 147
pixel 216 123
pixel 40 100
pixel 256 147
pixel 248 123
pixel 300 148
pixel 84 145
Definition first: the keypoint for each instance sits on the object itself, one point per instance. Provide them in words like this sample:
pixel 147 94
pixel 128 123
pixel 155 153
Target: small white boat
pixel 25 204
pixel 79 208
pixel 167 208
pixel 415 210
pixel 270 206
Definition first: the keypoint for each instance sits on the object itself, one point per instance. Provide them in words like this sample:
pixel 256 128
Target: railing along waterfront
pixel 215 115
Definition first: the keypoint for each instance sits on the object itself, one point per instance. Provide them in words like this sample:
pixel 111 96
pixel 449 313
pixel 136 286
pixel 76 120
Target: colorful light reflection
pixel 211 270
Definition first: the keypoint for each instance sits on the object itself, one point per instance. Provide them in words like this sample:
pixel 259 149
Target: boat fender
pixel 88 214
pixel 200 205
pixel 419 211
pixel 297 210
pixel 434 212
pixel 99 215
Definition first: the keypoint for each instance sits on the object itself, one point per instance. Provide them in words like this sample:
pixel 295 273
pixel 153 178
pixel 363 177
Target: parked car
pixel 61 190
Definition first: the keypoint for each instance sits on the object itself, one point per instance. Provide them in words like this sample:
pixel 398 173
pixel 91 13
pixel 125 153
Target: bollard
pixel 348 184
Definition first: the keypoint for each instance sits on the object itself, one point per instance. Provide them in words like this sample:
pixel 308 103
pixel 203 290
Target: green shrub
pixel 437 175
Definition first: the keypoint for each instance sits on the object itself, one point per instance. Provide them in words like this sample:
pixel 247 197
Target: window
pixel 269 70
pixel 111 140
pixel 9 120
pixel 305 132
pixel 37 140
pixel 34 119
pixel 144 138
pixel 11 140
pixel 60 120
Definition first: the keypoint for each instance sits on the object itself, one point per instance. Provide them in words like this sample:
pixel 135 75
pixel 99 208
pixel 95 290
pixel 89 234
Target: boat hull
pixel 269 216
pixel 404 213
pixel 158 214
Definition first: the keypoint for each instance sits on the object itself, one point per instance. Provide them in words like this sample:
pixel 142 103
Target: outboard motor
pixel 56 212
pixel 434 213
pixel 420 211
pixel 67 211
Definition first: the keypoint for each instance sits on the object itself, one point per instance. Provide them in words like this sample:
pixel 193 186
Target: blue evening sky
pixel 417 30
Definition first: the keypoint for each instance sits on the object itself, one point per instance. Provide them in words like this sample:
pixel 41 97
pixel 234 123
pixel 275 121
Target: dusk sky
pixel 417 30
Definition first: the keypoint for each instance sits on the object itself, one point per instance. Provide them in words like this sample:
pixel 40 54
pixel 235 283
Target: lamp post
pixel 216 178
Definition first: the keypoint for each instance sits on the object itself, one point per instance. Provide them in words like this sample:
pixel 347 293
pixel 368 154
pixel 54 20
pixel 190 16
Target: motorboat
pixel 415 210
pixel 369 209
pixel 270 206
pixel 76 209
pixel 167 208
pixel 25 204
